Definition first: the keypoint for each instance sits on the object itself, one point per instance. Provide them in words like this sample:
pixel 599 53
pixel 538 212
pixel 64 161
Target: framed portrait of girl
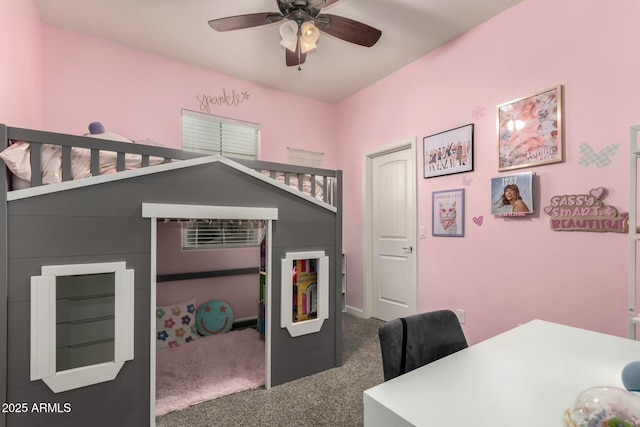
pixel 530 130
pixel 512 195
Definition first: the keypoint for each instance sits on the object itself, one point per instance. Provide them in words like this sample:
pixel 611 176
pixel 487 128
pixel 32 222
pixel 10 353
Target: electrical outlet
pixel 460 314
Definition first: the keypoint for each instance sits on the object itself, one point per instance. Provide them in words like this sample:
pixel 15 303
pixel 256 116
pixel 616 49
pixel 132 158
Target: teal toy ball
pixel 214 317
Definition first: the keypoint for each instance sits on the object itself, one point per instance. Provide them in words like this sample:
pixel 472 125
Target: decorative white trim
pixel 123 317
pixel 84 376
pixel 268 313
pixel 158 210
pixel 152 323
pixel 304 327
pixel 173 211
pixel 78 269
pixel 149 170
pixel 43 326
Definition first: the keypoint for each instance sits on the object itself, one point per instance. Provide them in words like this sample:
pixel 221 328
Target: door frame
pixel 408 143
pixel 155 211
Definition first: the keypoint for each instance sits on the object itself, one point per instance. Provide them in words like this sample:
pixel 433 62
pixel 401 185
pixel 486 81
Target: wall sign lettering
pixel 230 100
pixel 586 212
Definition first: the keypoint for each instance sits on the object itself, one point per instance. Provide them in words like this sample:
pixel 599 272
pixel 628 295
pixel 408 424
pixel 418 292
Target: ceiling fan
pixel 302 21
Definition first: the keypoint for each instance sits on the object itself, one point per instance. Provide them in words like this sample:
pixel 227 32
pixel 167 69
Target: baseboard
pixel 247 322
pixel 358 312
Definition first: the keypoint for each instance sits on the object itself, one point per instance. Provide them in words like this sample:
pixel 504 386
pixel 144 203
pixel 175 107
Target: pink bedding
pixel 17 157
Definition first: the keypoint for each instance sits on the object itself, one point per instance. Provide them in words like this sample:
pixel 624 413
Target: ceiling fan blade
pixel 245 21
pixel 321 3
pixel 328 3
pixel 295 58
pixel 348 29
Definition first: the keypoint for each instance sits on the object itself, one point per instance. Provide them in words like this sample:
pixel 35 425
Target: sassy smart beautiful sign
pixel 586 212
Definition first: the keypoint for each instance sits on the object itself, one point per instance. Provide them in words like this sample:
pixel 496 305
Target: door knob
pixel 409 249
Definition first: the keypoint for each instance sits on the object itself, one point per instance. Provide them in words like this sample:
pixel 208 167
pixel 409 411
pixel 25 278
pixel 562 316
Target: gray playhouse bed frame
pixel 102 222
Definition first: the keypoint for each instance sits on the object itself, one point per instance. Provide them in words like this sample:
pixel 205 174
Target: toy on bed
pixel 97 130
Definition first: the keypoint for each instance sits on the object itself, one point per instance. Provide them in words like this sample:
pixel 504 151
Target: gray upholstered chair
pixel 414 341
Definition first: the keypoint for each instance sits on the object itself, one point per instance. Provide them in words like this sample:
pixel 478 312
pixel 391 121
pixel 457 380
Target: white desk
pixel 525 377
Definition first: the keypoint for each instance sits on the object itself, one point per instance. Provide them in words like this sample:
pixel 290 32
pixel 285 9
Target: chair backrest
pixel 417 340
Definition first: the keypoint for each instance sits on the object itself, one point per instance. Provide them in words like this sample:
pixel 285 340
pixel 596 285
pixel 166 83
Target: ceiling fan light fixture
pixel 301 23
pixel 309 36
pixel 289 34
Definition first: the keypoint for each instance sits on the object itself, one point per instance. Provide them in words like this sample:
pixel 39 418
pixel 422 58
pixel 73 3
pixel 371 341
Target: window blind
pixel 221 234
pixel 205 133
pixel 300 157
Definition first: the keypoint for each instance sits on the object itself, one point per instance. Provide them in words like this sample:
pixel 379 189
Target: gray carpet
pixel 330 398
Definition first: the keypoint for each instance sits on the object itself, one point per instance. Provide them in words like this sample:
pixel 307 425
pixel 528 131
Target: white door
pixel 393 234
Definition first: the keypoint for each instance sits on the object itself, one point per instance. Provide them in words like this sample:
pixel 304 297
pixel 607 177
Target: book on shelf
pixel 307 300
pixel 305 284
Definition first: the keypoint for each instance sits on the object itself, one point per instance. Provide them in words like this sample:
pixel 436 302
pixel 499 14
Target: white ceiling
pixel 179 29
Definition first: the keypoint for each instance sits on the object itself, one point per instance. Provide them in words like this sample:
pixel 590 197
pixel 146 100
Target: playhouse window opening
pixel 81 323
pixel 85 312
pixel 305 289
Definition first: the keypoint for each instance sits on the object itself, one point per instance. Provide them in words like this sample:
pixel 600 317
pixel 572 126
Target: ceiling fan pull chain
pixel 299 48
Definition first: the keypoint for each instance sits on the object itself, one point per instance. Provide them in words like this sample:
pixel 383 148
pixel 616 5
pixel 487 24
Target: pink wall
pixel 240 292
pixel 140 95
pixel 515 270
pixel 21 73
pixel 507 272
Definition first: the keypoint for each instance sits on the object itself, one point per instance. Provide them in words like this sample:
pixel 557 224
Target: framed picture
pixel 448 213
pixel 512 195
pixel 530 130
pixel 449 152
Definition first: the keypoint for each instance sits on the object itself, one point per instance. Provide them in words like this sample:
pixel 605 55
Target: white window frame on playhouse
pixel 43 326
pixel 310 326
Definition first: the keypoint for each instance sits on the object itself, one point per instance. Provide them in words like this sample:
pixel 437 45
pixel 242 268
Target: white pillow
pixel 176 324
pixel 17 157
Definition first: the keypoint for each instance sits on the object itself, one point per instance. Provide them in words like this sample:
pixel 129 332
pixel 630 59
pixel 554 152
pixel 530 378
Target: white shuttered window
pixel 300 157
pixel 221 234
pixel 205 133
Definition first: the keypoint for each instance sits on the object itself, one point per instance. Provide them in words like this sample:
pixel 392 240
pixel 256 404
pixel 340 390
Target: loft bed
pixel 57 166
pixel 36 158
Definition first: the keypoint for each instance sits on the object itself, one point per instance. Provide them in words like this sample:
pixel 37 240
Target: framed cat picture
pixel 448 213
